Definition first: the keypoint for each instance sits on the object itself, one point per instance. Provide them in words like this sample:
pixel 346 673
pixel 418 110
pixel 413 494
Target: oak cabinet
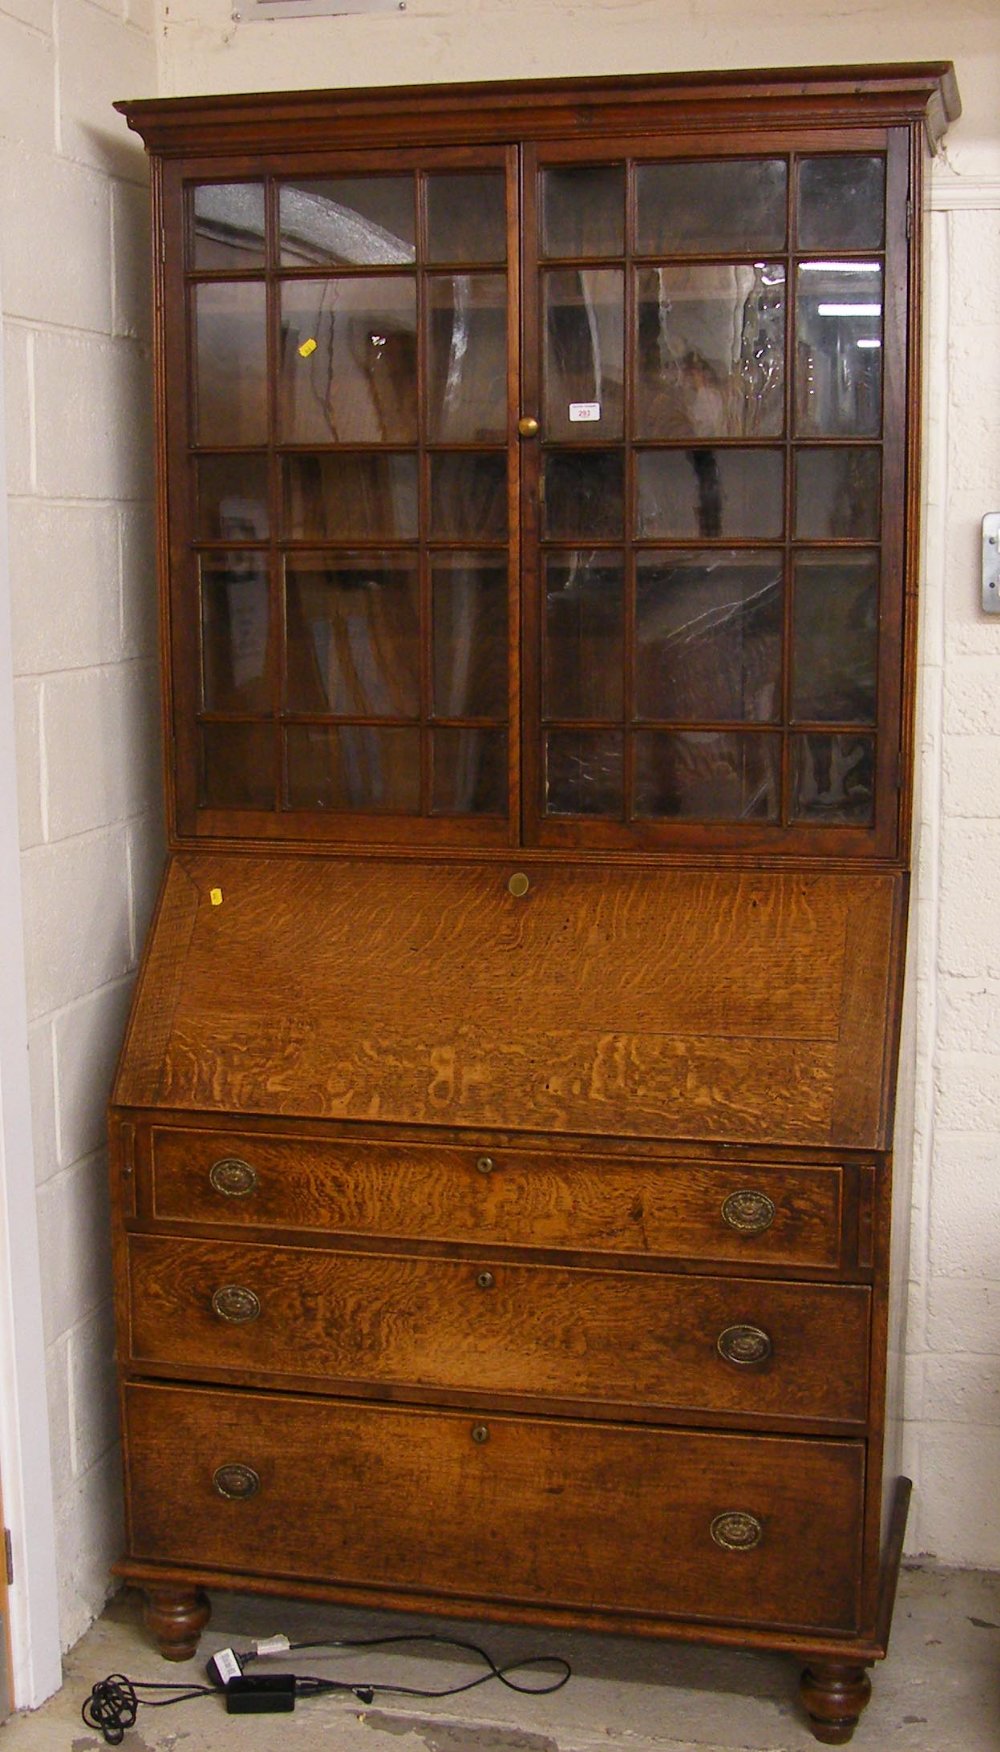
pixel 505 1118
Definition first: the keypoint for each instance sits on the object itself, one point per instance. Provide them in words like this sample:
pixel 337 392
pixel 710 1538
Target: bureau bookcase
pixel 502 1141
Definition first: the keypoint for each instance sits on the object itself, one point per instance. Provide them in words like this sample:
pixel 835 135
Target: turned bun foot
pixel 834 1693
pixel 176 1618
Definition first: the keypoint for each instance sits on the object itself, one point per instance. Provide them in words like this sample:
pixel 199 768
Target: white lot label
pixel 584 411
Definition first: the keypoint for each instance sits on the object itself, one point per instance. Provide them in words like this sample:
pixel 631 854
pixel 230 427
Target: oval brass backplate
pixel 749 1211
pixel 744 1345
pixel 235 1303
pixel 735 1530
pixel 518 885
pixel 233 1177
pixel 235 1481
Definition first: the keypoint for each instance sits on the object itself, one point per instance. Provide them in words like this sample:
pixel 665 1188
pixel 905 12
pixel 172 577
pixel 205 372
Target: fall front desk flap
pixel 739 1006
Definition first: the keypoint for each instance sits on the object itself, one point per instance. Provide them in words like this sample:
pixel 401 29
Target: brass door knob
pixel 527 426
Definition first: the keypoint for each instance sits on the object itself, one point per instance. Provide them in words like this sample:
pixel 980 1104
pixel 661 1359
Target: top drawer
pixel 764 1215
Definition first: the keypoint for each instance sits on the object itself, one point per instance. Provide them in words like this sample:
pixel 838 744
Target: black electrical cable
pixel 448 1642
pixel 114 1703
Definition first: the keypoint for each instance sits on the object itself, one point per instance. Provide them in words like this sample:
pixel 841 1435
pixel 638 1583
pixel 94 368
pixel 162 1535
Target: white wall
pixel 73 232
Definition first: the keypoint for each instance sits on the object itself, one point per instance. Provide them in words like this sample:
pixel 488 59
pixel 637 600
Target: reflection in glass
pixel 707 775
pixel 237 766
pixel 466 217
pixel 235 619
pixel 708 636
pixel 349 361
pixel 583 772
pixel 350 496
pixel 470 772
pixel 835 644
pixel 584 354
pixel 707 492
pixel 717 206
pixel 352 766
pixel 584 616
pixel 583 210
pixel 467 360
pixel 833 780
pixel 353 220
pixel 837 492
pixel 231 494
pixel 230 346
pixel 353 634
pixel 838 358
pixel 469 496
pixel 470 635
pixel 228 229
pixel 841 201
pixel 711 351
pixel 584 494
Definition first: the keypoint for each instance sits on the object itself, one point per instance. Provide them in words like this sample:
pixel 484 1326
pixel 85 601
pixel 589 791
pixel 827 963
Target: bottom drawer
pixel 587 1516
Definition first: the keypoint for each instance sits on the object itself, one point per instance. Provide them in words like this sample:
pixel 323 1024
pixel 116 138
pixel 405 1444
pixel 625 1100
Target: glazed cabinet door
pixel 717 378
pixel 340 493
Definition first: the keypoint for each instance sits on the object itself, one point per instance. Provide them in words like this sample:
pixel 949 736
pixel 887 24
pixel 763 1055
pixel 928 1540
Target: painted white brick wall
pixel 74 239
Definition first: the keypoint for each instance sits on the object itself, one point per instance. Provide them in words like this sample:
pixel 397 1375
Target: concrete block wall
pixel 74 287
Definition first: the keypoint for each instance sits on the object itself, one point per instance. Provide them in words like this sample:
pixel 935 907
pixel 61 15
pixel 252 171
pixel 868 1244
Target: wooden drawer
pixel 516 1197
pixel 593 1516
pixel 763 1348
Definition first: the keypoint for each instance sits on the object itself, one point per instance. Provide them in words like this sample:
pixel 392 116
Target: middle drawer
pixel 337 1319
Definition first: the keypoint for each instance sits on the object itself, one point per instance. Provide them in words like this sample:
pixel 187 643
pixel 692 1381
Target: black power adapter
pixel 261 1694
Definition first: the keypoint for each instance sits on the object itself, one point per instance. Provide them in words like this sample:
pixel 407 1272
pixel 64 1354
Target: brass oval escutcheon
pixel 485 1164
pixel 527 426
pixel 519 885
pixel 235 1303
pixel 235 1481
pixel 233 1177
pixel 480 1433
pixel 485 1280
pixel 749 1211
pixel 744 1345
pixel 735 1530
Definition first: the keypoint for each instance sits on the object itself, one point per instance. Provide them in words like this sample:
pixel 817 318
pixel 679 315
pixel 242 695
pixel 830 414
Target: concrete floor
pixel 939 1691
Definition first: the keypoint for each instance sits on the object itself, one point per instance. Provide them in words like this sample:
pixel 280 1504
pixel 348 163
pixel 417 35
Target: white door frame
pixel 25 1460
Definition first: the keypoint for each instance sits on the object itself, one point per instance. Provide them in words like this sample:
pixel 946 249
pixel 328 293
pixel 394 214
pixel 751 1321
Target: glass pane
pixel 584 617
pixel 230 346
pixel 237 766
pixel 356 220
pixel 470 635
pixel 717 207
pixel 707 775
pixel 837 493
pixel 711 351
pixel 583 210
pixel 348 496
pixel 835 646
pixel 584 494
pixel 349 361
pixel 467 217
pixel 833 780
pixel 705 492
pixel 708 636
pixel 228 229
pixel 841 202
pixel 353 766
pixel 467 365
pixel 353 634
pixel 235 622
pixel 584 354
pixel 583 772
pixel 470 772
pixel 231 493
pixel 838 349
pixel 469 497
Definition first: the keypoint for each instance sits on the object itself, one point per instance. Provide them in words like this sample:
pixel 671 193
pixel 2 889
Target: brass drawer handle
pixel 744 1345
pixel 236 1482
pixel 480 1433
pixel 485 1280
pixel 735 1530
pixel 485 1164
pixel 233 1177
pixel 749 1211
pixel 235 1303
